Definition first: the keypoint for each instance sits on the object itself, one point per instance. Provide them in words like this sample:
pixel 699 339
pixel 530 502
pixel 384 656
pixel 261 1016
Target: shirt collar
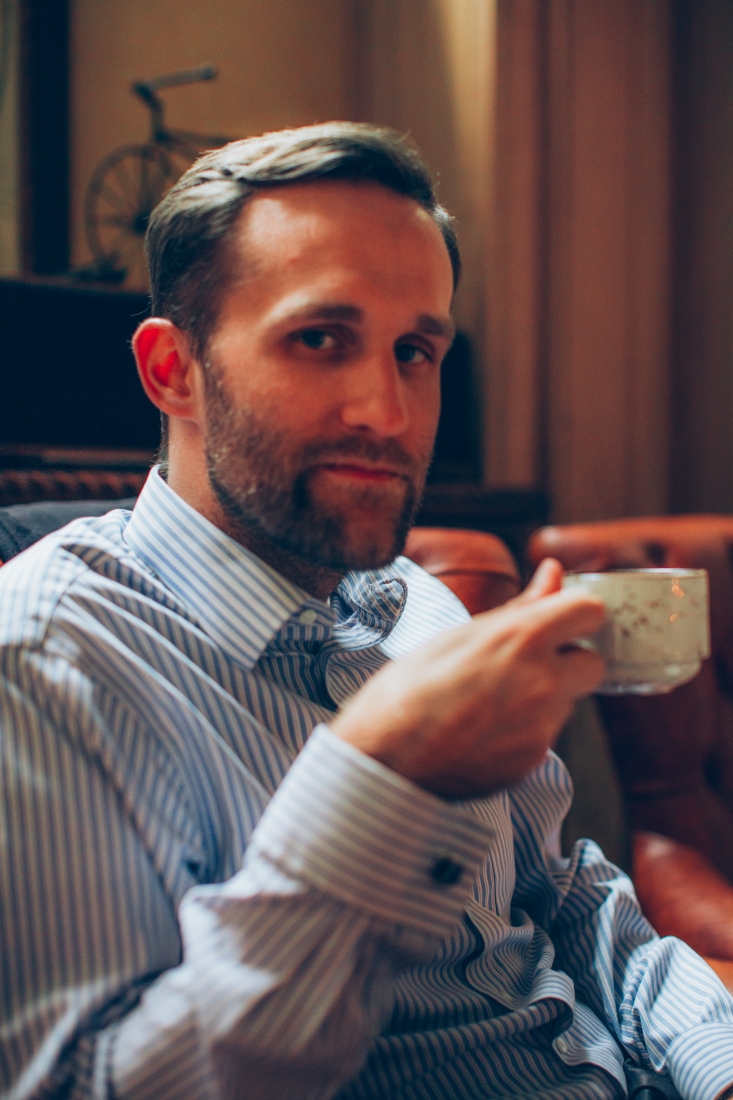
pixel 235 597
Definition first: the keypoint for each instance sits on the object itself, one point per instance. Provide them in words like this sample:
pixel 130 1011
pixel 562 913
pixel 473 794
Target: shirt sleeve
pixel 667 1009
pixel 270 984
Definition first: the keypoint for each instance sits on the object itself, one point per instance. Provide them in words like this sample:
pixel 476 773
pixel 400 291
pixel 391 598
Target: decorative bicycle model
pixel 131 180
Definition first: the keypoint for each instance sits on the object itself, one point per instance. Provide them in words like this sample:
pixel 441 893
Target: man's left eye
pixel 410 353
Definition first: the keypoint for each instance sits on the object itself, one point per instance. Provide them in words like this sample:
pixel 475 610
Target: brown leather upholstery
pixel 673 753
pixel 476 566
pixel 683 895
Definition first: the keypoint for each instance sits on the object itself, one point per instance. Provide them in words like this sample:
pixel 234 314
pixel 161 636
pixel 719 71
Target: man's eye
pixel 316 339
pixel 410 353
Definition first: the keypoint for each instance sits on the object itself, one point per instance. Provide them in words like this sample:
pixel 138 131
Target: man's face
pixel 322 378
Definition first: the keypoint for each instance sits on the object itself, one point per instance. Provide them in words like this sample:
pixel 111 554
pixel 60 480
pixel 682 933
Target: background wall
pixel 701 468
pixel 426 67
pixel 281 63
pixel 423 66
pixel 578 308
pixel 586 147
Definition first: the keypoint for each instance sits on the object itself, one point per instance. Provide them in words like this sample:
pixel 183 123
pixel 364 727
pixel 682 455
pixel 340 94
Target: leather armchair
pixel 673 753
pixel 477 567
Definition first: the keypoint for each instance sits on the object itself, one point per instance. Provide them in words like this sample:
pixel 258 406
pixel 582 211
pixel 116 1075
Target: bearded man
pixel 280 819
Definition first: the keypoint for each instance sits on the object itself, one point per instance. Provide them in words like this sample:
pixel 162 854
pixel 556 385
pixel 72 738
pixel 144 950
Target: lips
pixel 361 473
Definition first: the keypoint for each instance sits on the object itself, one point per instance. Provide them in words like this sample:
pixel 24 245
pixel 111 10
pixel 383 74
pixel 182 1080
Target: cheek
pixel 283 403
pixel 426 413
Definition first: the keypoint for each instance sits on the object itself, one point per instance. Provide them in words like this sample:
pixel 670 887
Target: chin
pixel 368 557
pixel 369 546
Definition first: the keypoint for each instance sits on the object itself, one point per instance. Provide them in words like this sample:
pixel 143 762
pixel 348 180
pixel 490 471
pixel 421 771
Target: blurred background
pixel 585 146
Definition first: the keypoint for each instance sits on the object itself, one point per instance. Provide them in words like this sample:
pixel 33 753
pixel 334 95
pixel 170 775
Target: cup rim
pixel 641 574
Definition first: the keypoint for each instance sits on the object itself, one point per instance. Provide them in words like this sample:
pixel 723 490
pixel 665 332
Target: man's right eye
pixel 317 339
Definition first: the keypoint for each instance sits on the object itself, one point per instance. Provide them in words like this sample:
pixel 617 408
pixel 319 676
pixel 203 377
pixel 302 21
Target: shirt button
pixel 307 617
pixel 446 871
pixel 561 1045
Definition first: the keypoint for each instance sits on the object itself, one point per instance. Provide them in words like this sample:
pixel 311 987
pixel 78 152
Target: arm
pixel 287 970
pixel 288 967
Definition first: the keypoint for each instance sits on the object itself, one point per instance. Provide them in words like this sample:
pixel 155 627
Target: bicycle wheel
pixel 123 192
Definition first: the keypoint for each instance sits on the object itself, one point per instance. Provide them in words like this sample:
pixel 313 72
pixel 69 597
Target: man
pixel 280 819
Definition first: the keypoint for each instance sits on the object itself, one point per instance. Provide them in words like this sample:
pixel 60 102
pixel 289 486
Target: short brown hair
pixel 186 240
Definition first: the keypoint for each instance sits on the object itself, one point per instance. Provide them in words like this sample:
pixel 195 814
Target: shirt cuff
pixel 700 1062
pixel 346 824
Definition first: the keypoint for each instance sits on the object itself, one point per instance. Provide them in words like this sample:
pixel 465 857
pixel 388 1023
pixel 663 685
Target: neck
pixel 188 478
pixel 313 579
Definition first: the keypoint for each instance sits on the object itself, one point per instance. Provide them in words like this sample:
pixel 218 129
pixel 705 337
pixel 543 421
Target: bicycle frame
pixel 147 91
pixel 129 182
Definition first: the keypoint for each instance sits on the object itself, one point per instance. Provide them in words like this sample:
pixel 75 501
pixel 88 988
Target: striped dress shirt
pixel 204 893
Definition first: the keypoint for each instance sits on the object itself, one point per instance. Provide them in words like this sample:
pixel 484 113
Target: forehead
pixel 308 230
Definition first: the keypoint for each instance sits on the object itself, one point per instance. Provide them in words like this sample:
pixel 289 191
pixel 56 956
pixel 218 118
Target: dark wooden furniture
pixel 44 134
pixel 68 376
pixel 510 514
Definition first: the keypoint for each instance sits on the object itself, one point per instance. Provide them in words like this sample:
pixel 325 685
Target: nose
pixel 376 397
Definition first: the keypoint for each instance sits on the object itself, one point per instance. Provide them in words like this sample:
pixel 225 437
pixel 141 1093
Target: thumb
pixel 546 580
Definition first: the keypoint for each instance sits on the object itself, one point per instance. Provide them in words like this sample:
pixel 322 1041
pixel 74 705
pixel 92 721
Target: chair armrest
pixel 23 524
pixel 683 895
pixel 477 567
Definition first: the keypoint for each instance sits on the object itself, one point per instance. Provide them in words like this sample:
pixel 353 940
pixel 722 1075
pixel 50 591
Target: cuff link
pixel 446 871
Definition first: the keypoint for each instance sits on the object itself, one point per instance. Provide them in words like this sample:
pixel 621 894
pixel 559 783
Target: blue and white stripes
pixel 200 897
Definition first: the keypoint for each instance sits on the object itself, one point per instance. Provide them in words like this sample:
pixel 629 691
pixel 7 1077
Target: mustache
pixel 387 451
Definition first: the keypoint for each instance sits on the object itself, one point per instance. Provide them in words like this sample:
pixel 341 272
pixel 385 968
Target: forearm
pixel 288 967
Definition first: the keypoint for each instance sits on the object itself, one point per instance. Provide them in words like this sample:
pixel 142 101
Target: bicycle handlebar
pixel 147 88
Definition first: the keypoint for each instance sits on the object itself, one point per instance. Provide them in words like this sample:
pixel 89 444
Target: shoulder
pixel 34 582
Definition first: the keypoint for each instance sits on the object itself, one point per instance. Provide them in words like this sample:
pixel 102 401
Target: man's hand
pixel 477 707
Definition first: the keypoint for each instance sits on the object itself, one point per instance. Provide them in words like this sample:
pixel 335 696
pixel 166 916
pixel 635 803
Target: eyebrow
pixel 327 311
pixel 436 326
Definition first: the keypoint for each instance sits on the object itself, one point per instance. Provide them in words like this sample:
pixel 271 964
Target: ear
pixel 167 368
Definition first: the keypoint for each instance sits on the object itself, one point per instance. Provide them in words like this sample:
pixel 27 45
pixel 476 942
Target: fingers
pixel 566 615
pixel 546 580
pixel 580 670
pixel 553 620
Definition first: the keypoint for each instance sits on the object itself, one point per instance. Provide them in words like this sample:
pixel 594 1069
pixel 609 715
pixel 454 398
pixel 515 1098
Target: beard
pixel 268 487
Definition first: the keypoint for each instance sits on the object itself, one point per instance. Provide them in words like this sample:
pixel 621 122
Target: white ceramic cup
pixel 657 630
